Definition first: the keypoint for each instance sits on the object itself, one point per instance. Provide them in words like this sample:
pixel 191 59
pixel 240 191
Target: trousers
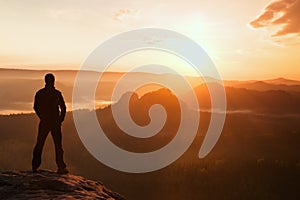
pixel 43 131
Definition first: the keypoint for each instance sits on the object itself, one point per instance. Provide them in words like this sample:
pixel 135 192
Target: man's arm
pixel 62 106
pixel 36 106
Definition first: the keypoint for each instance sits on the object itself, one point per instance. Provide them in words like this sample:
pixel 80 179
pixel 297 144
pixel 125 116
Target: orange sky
pixel 253 39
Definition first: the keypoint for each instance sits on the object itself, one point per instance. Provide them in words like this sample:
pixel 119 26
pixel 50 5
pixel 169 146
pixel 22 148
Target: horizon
pixel 122 72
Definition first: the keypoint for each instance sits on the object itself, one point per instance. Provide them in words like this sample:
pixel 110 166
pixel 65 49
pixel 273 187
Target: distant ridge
pixel 282 80
pixel 270 85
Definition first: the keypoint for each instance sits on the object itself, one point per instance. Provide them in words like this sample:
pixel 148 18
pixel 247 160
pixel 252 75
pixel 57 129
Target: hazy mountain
pixel 241 99
pixel 276 81
pixel 282 81
pixel 17 89
pixel 265 86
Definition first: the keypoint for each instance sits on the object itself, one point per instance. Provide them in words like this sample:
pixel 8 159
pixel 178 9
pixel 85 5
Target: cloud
pixel 122 13
pixel 282 15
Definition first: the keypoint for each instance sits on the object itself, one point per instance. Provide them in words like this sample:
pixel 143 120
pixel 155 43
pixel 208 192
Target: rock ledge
pixel 49 185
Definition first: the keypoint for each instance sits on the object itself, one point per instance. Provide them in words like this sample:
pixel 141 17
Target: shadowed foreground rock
pixel 49 185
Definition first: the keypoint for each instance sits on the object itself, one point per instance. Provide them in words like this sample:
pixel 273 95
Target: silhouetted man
pixel 50 107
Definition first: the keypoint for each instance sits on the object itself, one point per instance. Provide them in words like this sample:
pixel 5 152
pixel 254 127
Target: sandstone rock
pixel 49 185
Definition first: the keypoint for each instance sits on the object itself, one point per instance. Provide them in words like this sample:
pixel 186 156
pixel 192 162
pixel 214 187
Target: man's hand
pixel 61 120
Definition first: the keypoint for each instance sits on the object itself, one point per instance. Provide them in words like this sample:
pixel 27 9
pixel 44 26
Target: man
pixel 50 107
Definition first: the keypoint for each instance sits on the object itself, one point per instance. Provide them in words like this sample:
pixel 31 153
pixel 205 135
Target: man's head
pixel 49 79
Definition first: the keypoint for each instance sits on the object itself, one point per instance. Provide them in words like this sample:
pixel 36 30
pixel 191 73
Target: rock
pixel 49 185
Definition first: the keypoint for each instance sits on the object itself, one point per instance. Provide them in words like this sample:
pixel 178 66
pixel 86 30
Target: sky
pixel 246 39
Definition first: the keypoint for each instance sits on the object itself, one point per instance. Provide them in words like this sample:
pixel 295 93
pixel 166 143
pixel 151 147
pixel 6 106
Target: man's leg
pixel 37 152
pixel 56 135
